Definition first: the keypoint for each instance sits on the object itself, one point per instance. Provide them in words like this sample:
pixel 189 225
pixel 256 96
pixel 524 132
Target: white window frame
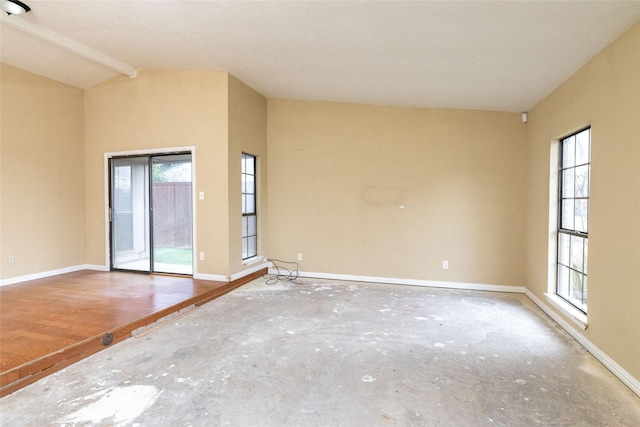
pixel 249 206
pixel 562 300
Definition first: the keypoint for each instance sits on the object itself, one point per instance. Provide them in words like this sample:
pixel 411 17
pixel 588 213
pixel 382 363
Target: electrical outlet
pixel 201 256
pixel 445 265
pixel 11 259
pixel 299 256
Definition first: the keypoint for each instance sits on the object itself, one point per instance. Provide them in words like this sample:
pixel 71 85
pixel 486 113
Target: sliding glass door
pixel 172 214
pixel 130 239
pixel 151 213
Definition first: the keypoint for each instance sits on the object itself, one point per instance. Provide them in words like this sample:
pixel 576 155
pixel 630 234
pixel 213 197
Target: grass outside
pixel 174 256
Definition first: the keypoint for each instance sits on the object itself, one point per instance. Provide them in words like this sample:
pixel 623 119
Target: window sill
pixel 576 316
pixel 253 260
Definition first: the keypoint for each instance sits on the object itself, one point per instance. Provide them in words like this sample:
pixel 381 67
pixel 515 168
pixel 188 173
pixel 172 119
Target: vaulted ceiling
pixel 484 55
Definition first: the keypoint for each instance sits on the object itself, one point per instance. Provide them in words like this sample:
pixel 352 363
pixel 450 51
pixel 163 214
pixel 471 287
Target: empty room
pixel 347 213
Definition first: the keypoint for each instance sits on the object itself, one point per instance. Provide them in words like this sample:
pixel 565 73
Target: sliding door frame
pixel 140 185
pixel 107 196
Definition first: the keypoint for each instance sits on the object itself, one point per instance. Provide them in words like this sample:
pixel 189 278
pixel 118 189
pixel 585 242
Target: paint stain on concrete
pixel 368 379
pixel 119 406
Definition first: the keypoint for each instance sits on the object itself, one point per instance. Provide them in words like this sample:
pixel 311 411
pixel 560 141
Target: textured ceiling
pixel 503 56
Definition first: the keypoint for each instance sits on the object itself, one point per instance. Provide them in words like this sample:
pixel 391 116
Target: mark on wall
pixel 383 197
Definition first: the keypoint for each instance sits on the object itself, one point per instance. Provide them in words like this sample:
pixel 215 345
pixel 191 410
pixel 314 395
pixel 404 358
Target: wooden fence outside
pixel 172 215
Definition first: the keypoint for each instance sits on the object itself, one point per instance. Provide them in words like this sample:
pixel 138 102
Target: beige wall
pixel 604 94
pixel 53 160
pixel 42 192
pixel 161 109
pixel 392 192
pixel 247 133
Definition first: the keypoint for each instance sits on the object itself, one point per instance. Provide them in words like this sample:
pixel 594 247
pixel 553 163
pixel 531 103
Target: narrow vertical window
pixel 249 212
pixel 573 218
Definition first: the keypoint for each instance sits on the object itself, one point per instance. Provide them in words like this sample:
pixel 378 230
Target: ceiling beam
pixel 71 45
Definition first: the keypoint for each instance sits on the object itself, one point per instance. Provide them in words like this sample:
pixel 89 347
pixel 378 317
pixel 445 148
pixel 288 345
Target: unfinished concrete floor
pixel 328 353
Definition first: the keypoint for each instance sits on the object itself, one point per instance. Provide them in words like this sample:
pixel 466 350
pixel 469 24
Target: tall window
pixel 573 218
pixel 249 216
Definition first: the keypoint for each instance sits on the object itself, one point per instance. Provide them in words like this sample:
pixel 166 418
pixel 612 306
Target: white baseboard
pixel 214 277
pixel 42 274
pixel 254 260
pixel 608 362
pixel 248 271
pixel 96 267
pixel 235 276
pixel 413 282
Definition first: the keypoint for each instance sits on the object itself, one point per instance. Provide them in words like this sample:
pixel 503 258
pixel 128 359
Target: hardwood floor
pixel 50 323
